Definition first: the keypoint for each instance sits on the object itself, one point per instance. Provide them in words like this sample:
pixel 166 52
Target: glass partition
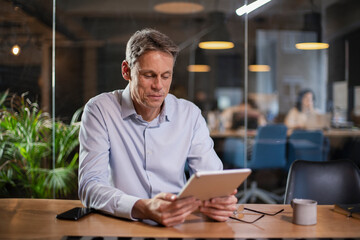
pixel 26 157
pixel 255 82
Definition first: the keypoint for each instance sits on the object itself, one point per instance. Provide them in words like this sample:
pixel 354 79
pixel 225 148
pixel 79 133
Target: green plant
pixel 26 165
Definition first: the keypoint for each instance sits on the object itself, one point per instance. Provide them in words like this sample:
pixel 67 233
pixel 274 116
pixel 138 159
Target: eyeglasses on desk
pixel 255 211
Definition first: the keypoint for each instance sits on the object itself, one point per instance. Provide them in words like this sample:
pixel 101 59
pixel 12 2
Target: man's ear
pixel 125 70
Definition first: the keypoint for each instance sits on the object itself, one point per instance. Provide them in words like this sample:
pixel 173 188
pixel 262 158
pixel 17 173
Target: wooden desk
pixel 233 133
pixel 35 219
pixel 252 133
pixel 333 132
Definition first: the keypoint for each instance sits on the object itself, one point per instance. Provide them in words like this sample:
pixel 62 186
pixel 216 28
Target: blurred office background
pixel 91 35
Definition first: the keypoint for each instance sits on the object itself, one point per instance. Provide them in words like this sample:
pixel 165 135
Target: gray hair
pixel 146 40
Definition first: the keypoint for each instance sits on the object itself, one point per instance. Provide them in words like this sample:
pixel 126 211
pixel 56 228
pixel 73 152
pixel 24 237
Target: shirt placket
pixel 147 154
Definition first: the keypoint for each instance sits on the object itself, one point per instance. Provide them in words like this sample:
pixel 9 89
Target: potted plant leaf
pixel 27 159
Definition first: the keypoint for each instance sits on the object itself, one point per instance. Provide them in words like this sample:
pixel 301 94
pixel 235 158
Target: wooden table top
pixel 252 133
pixel 35 219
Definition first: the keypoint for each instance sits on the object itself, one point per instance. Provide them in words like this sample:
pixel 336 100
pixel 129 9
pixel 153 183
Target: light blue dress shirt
pixel 124 158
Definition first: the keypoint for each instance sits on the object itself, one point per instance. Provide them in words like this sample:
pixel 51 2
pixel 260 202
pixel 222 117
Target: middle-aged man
pixel 134 143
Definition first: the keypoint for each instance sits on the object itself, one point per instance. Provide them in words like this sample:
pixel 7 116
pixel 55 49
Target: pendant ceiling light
pixel 219 37
pixel 178 7
pixel 259 68
pixel 200 64
pixel 257 61
pixel 312 22
pixel 311 45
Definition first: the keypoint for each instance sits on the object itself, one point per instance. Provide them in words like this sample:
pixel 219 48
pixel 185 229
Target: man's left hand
pixel 220 208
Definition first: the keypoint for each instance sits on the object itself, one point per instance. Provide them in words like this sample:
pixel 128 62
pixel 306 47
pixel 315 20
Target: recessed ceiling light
pixel 178 7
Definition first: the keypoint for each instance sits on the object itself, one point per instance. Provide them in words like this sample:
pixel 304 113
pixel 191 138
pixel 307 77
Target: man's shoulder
pixel 180 103
pixel 105 97
pixel 105 100
pixel 179 108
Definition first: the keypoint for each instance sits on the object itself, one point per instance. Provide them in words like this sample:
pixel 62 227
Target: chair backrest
pixel 314 136
pixel 327 182
pixel 269 150
pixel 233 155
pixel 305 145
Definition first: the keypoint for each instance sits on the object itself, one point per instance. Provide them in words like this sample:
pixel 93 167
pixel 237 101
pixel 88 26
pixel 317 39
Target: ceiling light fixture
pixel 216 45
pixel 178 7
pixel 15 50
pixel 251 7
pixel 198 68
pixel 312 46
pixel 312 23
pixel 259 68
pixel 199 63
pixel 218 38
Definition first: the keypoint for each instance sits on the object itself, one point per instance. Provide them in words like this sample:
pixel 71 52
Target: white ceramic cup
pixel 304 211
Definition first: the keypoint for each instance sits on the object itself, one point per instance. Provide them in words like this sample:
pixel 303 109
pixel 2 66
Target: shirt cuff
pixel 125 205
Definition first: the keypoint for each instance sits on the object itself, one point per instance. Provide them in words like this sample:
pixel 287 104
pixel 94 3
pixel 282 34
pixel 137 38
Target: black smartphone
pixel 75 213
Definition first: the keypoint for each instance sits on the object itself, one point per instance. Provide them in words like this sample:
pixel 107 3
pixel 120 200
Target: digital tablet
pixel 210 184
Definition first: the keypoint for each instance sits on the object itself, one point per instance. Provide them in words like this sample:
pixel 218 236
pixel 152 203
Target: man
pixel 134 143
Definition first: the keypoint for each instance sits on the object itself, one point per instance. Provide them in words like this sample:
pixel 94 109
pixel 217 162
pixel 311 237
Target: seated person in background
pixel 134 143
pixel 205 104
pixel 234 117
pixel 298 116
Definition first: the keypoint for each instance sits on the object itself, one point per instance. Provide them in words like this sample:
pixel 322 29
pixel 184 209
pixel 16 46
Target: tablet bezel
pixel 209 184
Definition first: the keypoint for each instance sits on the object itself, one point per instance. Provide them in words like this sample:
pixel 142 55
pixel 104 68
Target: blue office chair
pixel 268 152
pixel 306 145
pixel 234 149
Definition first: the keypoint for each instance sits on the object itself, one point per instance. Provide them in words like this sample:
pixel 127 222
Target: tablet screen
pixel 210 184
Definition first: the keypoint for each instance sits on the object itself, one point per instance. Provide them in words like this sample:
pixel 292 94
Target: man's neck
pixel 148 114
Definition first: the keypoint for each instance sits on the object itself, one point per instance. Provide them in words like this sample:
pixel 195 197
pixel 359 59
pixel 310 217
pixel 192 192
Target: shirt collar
pixel 164 116
pixel 127 105
pixel 128 108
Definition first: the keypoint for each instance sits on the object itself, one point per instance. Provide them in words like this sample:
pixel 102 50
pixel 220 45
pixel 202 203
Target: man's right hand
pixel 165 209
